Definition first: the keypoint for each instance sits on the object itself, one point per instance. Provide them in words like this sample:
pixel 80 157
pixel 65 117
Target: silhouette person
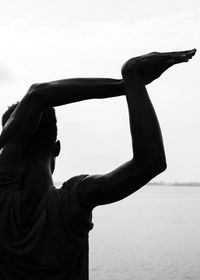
pixel 44 230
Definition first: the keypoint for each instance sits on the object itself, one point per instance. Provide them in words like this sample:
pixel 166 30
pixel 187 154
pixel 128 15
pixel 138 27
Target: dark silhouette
pixel 44 230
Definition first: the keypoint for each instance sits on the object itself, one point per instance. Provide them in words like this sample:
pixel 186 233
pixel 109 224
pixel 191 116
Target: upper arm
pixel 103 189
pixel 19 129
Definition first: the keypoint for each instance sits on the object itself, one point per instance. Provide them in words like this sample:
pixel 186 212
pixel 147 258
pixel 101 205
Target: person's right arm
pixel 148 154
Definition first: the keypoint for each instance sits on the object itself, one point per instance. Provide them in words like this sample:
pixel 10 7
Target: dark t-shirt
pixel 55 246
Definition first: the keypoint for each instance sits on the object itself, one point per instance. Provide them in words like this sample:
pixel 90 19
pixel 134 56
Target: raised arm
pixel 24 120
pixel 149 157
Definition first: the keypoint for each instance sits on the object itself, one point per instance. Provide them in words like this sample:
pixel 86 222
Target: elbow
pixel 153 167
pixel 157 167
pixel 35 93
pixel 161 167
pixel 33 88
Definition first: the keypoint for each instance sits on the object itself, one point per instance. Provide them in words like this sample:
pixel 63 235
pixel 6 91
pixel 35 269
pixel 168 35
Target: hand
pixel 152 65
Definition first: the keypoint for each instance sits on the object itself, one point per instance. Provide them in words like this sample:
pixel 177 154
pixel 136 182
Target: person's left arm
pixel 24 120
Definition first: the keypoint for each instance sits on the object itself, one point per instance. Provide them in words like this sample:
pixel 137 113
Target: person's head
pixel 43 142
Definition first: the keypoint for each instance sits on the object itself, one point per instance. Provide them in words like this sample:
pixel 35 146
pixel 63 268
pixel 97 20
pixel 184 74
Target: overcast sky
pixel 49 40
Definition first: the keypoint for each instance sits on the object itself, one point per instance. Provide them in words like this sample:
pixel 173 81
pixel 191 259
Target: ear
pixel 57 148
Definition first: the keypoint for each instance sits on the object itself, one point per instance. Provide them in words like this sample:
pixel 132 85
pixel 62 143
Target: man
pixel 44 230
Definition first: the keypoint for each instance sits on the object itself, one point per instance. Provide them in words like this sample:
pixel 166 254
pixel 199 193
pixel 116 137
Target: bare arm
pixel 147 162
pixel 62 92
pixel 24 120
pixel 148 151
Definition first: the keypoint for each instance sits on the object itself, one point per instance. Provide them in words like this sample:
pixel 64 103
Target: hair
pixel 45 134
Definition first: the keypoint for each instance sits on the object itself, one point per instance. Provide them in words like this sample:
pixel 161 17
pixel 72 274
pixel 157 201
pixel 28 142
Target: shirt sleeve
pixel 79 221
pixel 10 177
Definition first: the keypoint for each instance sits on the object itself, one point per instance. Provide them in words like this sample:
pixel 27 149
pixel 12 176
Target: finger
pixel 181 58
pixel 177 60
pixel 188 53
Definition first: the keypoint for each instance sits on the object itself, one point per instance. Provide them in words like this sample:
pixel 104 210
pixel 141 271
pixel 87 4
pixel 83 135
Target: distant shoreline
pixel 159 183
pixel 175 184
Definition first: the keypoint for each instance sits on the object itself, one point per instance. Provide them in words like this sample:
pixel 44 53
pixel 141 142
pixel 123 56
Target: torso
pixel 31 196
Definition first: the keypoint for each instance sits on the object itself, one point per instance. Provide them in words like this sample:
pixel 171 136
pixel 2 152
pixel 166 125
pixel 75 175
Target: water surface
pixel 152 235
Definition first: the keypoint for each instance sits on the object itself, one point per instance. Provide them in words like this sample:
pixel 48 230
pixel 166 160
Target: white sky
pixel 49 40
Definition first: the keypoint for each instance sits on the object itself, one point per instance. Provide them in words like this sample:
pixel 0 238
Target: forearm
pixel 72 90
pixel 145 130
pixel 40 96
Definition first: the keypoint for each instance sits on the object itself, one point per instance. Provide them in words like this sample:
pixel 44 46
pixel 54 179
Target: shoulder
pixel 73 182
pixel 72 189
pixel 86 190
pixel 71 199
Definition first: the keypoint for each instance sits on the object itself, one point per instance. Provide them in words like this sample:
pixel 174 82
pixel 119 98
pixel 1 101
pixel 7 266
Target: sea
pixel 154 234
